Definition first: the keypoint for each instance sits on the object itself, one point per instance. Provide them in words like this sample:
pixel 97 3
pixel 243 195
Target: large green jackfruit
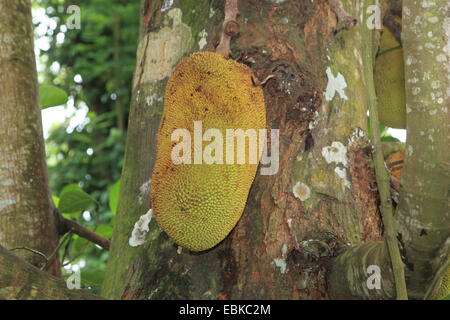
pixel 198 205
pixel 389 78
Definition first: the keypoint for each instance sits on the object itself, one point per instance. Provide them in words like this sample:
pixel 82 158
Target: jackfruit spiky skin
pixel 444 289
pixel 389 78
pixel 198 205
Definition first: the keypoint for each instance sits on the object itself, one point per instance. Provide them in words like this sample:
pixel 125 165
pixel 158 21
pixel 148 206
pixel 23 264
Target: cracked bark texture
pixel 26 216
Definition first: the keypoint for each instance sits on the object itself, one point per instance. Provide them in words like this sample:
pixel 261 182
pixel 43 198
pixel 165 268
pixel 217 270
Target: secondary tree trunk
pixel 423 218
pixel 296 221
pixel 26 215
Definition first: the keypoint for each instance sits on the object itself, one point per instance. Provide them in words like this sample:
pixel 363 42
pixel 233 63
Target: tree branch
pixel 347 20
pixel 229 28
pixel 21 280
pixel 382 176
pixel 71 226
pixel 347 277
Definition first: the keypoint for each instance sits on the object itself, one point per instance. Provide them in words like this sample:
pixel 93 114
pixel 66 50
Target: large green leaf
pixel 52 96
pixel 73 200
pixel 69 187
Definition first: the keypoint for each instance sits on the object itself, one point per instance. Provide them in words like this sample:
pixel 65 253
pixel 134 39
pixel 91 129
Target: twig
pixel 79 254
pixel 381 173
pixel 258 83
pixel 66 248
pixel 56 250
pixel 229 28
pixel 31 250
pixel 72 226
pixel 348 21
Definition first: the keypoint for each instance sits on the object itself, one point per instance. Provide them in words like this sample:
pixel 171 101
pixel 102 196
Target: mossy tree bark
pixel 20 280
pixel 26 214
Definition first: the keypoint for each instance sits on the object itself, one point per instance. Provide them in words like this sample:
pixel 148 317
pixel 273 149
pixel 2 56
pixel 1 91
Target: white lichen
pixel 140 230
pixel 301 191
pixel 144 191
pixel 211 12
pixel 342 173
pixel 289 223
pixel 335 84
pixel 202 42
pixel 337 153
pixel 281 262
pixel 167 5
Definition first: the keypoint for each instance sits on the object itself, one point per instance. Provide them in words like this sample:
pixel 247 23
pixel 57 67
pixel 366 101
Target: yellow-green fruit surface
pixel 389 77
pixel 444 289
pixel 198 205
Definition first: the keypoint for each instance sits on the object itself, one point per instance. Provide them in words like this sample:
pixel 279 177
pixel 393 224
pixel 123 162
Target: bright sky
pixel 57 115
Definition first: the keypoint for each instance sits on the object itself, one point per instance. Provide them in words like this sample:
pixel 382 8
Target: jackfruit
pixel 389 78
pixel 444 289
pixel 395 163
pixel 198 205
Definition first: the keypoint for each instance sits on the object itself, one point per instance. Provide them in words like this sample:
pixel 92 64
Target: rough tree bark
pixel 26 214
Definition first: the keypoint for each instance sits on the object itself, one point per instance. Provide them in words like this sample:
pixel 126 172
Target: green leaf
pixel 105 231
pixel 52 96
pixel 55 200
pixel 114 196
pixel 69 187
pixel 388 138
pixel 72 201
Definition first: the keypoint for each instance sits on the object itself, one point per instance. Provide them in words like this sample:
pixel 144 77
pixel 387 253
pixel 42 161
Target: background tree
pixel 26 208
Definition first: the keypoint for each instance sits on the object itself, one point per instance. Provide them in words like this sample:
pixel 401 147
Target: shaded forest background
pixel 94 65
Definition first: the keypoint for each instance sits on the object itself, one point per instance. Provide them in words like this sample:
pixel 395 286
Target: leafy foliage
pixel 94 65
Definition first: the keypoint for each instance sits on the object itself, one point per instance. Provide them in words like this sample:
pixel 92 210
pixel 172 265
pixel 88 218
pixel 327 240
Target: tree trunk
pixel 26 214
pixel 423 216
pixel 19 280
pixel 295 221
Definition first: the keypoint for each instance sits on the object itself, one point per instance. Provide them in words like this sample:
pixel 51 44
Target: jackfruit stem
pixel 230 28
pixel 348 21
